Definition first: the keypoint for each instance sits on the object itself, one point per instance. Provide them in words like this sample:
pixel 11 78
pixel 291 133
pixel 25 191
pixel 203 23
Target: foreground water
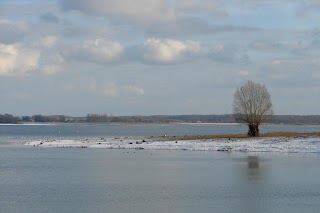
pixel 102 180
pixel 93 180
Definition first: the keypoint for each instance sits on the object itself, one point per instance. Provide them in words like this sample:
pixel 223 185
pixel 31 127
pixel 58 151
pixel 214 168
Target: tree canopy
pixel 252 105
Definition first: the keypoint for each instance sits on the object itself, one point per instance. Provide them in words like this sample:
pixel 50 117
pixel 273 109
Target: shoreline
pixel 294 143
pixel 146 123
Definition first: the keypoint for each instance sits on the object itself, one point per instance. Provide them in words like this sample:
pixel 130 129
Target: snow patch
pixel 278 144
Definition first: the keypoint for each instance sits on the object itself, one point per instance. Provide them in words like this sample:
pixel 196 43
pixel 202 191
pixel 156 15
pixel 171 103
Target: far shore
pixel 145 123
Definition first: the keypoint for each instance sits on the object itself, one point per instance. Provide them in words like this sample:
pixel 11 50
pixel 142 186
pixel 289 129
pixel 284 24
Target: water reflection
pixel 251 180
pixel 95 180
pixel 253 168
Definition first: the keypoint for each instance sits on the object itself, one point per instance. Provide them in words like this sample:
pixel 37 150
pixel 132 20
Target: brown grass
pixel 237 136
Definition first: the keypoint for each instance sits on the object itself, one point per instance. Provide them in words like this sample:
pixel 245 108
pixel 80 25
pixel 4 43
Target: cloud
pixel 211 7
pixel 53 65
pixel 48 41
pixel 145 11
pixel 265 45
pixel 315 36
pixel 169 51
pixel 244 72
pixel 276 62
pixel 111 89
pixel 30 56
pixel 70 87
pixel 228 54
pixel 156 17
pixel 108 89
pixel 287 72
pixel 134 90
pixel 18 60
pixel 306 6
pixel 11 32
pixel 180 26
pixel 153 9
pixel 96 51
pixel 50 17
pixel 159 17
pixel 138 9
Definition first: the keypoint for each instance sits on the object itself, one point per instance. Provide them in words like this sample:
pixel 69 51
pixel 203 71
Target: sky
pixel 151 57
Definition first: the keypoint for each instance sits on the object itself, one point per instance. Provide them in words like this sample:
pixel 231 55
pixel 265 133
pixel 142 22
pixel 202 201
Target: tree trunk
pixel 253 130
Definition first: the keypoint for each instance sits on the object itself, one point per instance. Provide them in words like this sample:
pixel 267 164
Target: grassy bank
pixel 237 136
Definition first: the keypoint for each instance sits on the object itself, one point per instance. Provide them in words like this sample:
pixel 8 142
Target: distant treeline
pixel 296 119
pixel 104 118
pixel 228 118
pixel 46 118
pixel 97 118
pixel 8 119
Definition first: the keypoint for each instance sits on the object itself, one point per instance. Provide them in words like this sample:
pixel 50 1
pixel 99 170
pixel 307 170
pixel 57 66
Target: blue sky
pixel 144 57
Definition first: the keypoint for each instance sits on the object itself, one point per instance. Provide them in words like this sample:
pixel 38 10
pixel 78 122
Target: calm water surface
pixel 101 180
pixel 105 130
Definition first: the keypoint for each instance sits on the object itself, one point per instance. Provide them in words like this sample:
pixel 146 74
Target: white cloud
pixel 167 51
pixel 244 72
pixel 53 65
pixel 135 90
pixel 157 17
pixel 30 56
pixel 18 60
pixel 97 51
pixel 138 9
pixel 261 39
pixel 276 62
pixel 48 41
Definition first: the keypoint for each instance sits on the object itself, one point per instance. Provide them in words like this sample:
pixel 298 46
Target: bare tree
pixel 252 105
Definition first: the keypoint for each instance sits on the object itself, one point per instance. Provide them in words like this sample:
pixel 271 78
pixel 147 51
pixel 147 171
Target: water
pixel 109 130
pixel 100 180
pixel 93 180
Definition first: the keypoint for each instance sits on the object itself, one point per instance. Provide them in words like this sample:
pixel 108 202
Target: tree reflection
pixel 253 168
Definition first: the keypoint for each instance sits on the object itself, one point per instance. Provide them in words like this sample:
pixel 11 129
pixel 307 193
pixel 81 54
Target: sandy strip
pixel 272 144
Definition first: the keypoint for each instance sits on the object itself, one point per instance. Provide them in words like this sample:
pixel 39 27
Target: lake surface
pixel 109 130
pixel 102 180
